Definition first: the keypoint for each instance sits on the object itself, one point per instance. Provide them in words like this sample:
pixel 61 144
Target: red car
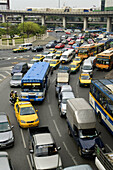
pixel 60 45
pixel 71 42
pixel 69 39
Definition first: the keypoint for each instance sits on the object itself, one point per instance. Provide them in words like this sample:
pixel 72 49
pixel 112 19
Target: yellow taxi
pixel 25 114
pixel 54 63
pixel 58 54
pixel 39 57
pixel 52 50
pixel 77 60
pixel 20 49
pixel 74 67
pixel 84 79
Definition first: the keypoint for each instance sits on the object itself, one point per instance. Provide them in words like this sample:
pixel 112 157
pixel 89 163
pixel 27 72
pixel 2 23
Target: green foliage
pixel 31 28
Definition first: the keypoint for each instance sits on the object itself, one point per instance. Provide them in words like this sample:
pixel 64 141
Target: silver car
pixel 5 161
pixel 16 80
pixel 6 131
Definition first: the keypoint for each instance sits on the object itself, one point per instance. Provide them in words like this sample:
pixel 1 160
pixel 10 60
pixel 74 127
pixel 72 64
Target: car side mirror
pixel 31 151
pixel 59 148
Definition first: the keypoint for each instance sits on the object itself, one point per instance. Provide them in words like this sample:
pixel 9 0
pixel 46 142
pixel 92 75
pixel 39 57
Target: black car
pixel 51 44
pixel 6 131
pixel 37 48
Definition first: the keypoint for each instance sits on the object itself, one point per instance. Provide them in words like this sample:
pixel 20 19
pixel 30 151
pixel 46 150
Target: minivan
pixel 20 68
pixel 87 67
pixel 29 46
pixel 67 56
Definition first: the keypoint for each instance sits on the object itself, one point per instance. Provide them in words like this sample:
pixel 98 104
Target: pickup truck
pixel 43 150
pixel 103 160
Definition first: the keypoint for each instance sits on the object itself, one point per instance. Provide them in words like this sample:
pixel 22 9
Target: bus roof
pixel 36 73
pixel 107 52
pixel 106 86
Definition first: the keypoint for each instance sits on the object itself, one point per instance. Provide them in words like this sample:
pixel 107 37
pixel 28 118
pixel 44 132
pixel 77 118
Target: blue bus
pixel 35 82
pixel 106 42
pixel 101 99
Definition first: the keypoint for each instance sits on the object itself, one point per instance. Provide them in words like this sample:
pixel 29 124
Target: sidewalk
pixel 35 43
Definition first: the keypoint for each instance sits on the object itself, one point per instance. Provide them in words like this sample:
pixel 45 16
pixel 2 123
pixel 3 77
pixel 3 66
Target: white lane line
pixel 8 72
pixel 0 79
pixel 15 57
pixel 8 58
pixel 23 138
pixel 109 148
pixel 77 93
pixel 75 162
pixel 53 80
pixel 50 110
pixel 48 98
pixel 21 56
pixel 2 76
pixel 57 128
pixel 28 159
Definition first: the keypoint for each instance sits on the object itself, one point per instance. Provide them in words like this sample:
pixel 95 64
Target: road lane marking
pixel 57 128
pixel 48 98
pixel 8 58
pixel 109 148
pixel 28 159
pixel 50 110
pixel 23 138
pixel 8 72
pixel 75 162
pixel 77 93
pixel 2 76
pixel 53 80
pixel 15 57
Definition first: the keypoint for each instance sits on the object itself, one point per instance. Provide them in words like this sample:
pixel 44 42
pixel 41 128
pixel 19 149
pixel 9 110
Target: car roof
pixel 4 163
pixel 66 88
pixel 67 95
pixel 17 74
pixel 3 117
pixel 22 63
pixel 44 138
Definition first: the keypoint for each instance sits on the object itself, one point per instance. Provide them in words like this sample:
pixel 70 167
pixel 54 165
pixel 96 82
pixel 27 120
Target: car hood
pixel 48 162
pixel 90 143
pixel 5 136
pixel 15 82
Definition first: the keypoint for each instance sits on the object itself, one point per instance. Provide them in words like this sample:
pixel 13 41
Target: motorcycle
pixel 12 100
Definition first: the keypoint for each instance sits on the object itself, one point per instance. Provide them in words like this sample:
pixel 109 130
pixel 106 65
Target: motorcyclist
pixel 12 96
pixel 15 96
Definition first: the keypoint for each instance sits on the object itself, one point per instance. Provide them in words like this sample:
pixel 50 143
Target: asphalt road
pixel 48 115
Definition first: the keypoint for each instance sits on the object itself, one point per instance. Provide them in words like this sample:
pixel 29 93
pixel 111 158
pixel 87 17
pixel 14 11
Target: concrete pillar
pixel 7 42
pixel 3 18
pixel 22 19
pixel 0 41
pixel 64 22
pixel 13 42
pixel 85 23
pixel 43 20
pixel 108 24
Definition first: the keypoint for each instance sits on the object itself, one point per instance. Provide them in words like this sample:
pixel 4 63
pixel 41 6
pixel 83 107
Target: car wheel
pixel 79 151
pixel 69 132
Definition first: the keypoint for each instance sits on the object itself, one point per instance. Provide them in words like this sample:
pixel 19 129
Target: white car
pixel 16 80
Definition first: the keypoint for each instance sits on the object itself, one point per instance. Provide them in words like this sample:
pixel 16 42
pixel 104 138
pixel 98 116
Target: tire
pixel 69 132
pixel 99 118
pixel 80 151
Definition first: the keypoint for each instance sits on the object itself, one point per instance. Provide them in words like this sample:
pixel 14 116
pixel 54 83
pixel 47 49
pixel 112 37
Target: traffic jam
pixel 74 52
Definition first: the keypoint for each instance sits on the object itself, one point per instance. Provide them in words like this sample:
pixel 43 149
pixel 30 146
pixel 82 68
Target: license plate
pixel 31 99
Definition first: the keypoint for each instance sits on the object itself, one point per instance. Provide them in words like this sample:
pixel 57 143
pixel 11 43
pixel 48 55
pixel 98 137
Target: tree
pixel 29 28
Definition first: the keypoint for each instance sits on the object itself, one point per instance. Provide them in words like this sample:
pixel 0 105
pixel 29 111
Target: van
pixel 67 56
pixel 29 46
pixel 87 67
pixel 5 161
pixel 20 68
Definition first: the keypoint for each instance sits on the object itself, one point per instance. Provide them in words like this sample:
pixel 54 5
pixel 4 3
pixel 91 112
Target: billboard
pixel 3 1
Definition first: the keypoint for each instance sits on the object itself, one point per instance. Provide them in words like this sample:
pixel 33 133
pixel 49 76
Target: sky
pixel 23 4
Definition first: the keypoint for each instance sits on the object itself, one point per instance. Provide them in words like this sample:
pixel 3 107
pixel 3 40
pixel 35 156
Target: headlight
pixel 22 121
pixel 37 120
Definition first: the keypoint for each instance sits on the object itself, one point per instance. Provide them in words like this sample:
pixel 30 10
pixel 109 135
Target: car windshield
pixel 58 52
pixel 4 126
pixel 50 57
pixel 77 59
pixel 16 77
pixel 17 67
pixel 27 111
pixel 85 77
pixel 64 56
pixel 73 66
pixel 45 150
pixel 37 57
pixel 64 101
pixel 88 133
pixel 87 68
pixel 52 62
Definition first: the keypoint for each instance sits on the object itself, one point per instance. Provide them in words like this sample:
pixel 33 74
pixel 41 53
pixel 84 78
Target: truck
pixel 61 79
pixel 43 150
pixel 103 160
pixel 81 123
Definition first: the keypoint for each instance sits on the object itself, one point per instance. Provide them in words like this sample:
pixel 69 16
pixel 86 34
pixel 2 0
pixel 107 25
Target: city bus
pixel 106 42
pixel 90 50
pixel 35 82
pixel 101 99
pixel 104 60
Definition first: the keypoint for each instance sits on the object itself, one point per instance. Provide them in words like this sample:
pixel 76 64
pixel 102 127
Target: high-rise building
pixel 108 5
pixel 102 5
